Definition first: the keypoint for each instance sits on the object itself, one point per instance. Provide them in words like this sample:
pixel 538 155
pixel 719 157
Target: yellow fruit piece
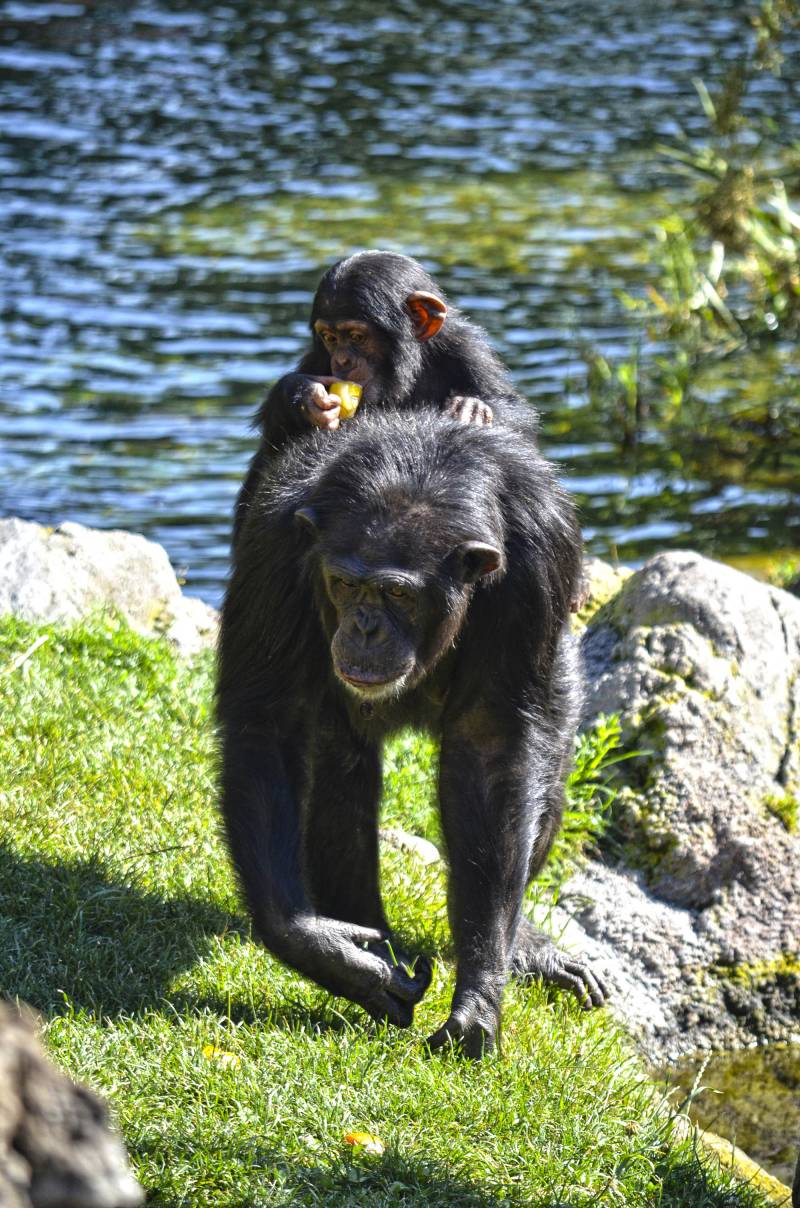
pixel 349 393
pixel 221 1055
pixel 365 1142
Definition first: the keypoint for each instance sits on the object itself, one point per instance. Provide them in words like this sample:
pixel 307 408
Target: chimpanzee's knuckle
pixel 470 1034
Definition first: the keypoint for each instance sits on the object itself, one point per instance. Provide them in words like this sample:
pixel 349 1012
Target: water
pixel 174 176
pixel 751 1097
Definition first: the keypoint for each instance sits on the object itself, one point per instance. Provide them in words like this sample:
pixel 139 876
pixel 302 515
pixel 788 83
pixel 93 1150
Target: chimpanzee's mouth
pixel 365 684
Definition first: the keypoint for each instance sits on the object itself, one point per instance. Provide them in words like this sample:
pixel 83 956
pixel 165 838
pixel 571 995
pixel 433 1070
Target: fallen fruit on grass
pixel 364 1142
pixel 230 1060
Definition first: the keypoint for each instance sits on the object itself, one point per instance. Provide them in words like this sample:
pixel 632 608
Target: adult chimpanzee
pixel 415 571
pixel 380 320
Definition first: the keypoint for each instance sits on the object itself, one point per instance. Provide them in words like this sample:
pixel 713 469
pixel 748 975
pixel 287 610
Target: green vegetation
pixel 725 271
pixel 786 809
pixel 119 921
pixel 756 975
pixel 497 224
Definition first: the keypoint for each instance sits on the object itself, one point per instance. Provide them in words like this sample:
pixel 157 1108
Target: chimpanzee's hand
pixel 472 1025
pixel 314 403
pixel 358 963
pixel 469 410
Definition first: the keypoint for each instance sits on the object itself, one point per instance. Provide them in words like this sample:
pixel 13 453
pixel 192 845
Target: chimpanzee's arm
pixel 284 415
pixel 262 783
pixel 472 383
pixel 280 417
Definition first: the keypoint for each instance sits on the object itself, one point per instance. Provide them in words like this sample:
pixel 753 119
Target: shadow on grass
pixel 389 1180
pixel 394 1180
pixel 74 936
pixel 286 1014
pixel 70 933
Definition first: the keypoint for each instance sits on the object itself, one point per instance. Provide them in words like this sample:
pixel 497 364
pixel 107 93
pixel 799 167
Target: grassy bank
pixel 233 1080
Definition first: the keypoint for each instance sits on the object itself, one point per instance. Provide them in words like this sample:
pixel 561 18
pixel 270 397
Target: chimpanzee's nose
pixel 342 362
pixel 367 620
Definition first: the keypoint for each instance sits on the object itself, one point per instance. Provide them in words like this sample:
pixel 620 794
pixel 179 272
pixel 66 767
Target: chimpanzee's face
pixel 386 620
pixel 391 615
pixel 394 583
pixel 357 349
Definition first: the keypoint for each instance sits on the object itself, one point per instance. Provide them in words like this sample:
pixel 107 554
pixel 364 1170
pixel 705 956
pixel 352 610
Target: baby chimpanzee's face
pixel 358 351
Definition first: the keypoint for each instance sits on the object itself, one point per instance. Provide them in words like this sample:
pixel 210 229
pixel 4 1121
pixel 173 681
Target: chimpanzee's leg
pixel 497 803
pixel 535 955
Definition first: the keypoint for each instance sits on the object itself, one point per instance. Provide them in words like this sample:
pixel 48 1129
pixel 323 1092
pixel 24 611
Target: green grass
pixel 119 921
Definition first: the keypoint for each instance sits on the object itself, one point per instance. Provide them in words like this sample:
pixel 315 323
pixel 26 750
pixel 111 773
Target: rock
pixel 731 1157
pixel 57 1149
pixel 423 849
pixel 63 574
pixel 699 924
pixel 601 582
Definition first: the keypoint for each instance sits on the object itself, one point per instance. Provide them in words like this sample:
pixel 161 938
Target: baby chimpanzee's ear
pixel 427 312
pixel 472 560
pixel 306 519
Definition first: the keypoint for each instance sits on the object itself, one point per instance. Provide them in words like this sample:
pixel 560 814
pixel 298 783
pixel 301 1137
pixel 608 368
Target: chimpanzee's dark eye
pixel 357 338
pixel 397 592
pixel 340 586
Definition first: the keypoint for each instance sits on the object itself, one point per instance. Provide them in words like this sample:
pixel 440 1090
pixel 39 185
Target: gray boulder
pixel 57 1149
pixel 64 573
pixel 696 913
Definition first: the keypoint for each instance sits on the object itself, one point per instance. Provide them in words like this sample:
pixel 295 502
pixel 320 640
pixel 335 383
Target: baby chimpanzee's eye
pixel 397 592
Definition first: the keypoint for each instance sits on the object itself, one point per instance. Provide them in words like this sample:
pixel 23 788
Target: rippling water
pixel 173 177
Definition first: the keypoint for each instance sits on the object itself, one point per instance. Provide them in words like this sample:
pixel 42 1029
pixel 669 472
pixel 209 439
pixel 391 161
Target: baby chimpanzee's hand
pixel 469 410
pixel 315 404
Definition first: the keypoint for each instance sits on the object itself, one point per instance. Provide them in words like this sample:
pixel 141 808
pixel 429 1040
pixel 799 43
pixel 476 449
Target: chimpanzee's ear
pixel 306 519
pixel 474 559
pixel 427 312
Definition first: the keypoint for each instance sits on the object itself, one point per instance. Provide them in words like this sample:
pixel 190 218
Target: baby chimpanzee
pixel 380 320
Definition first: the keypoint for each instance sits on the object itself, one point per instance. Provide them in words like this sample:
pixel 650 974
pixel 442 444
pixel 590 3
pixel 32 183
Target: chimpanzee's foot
pixel 535 956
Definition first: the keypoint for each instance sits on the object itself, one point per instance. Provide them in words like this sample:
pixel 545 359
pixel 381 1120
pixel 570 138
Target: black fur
pixel 496 683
